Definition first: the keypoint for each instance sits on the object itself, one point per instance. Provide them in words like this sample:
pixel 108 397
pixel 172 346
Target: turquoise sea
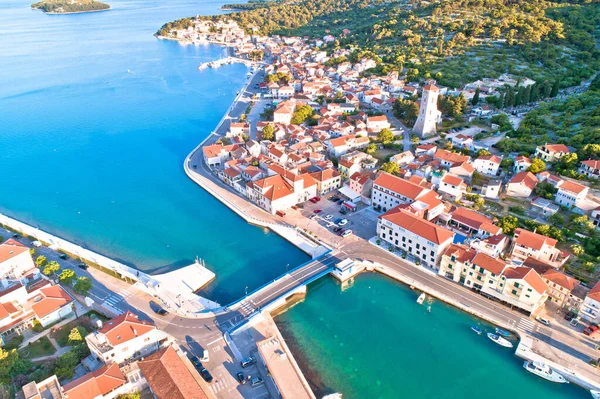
pixel 374 341
pixel 96 117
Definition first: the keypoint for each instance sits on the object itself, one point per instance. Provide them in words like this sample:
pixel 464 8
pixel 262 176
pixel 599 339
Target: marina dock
pixel 225 61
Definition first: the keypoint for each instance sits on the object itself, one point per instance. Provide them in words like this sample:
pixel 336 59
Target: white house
pixel 390 191
pixel 551 152
pixel 522 163
pixel 570 194
pixel 377 123
pixel 422 241
pixel 487 164
pixel 452 186
pixel 51 304
pixel 124 338
pixel 590 168
pixel 15 261
pixel 521 185
pixel 528 244
pixel 590 310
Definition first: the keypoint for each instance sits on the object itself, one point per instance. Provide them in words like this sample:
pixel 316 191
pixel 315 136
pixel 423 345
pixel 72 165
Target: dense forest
pixel 574 121
pixel 250 5
pixel 454 41
pixel 70 6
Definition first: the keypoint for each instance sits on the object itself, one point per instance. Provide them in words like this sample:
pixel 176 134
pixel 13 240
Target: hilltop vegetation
pixel 454 41
pixel 70 6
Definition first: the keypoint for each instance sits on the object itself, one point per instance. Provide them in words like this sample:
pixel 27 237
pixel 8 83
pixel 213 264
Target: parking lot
pixel 362 223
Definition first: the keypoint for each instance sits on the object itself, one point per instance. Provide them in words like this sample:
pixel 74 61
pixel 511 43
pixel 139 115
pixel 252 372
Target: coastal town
pixel 365 173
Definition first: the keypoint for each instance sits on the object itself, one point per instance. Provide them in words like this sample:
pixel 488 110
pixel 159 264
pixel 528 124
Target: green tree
pixel 8 358
pixel 83 285
pixel 508 224
pixel 546 89
pixel 385 136
pixel 556 219
pixel 537 166
pixel 65 365
pixel 67 276
pixel 475 99
pixel 268 132
pixel 483 153
pixel 390 167
pixel 500 102
pixel 302 114
pixel 545 190
pixel 555 87
pixel 76 335
pixel 371 148
pixel 41 261
pixel 51 268
pixel 414 139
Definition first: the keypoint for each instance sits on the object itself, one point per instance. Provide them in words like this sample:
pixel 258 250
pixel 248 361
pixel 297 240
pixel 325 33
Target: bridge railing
pixel 318 258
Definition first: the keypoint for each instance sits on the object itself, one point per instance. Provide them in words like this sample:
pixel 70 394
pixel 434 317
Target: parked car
pixel 574 322
pixel 346 233
pixel 256 381
pixel 82 266
pixel 280 213
pixel 338 229
pixel 545 322
pixel 63 256
pixel 328 217
pixel 343 222
pixel 591 329
pixel 569 316
pixel 249 361
pixel 317 210
pixel 205 374
pixel 241 377
pixel 336 221
pixel 314 201
pixel 196 362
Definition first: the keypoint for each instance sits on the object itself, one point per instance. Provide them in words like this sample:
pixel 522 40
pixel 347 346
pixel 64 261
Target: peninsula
pixel 70 6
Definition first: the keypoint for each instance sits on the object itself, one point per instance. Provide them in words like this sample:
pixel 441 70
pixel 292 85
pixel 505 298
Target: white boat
pixel 499 340
pixel 544 371
pixel 421 298
pixel 333 396
pixel 595 394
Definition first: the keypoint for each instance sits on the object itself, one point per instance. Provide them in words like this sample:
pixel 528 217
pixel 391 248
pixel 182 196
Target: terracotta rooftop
pixel 417 225
pixel 528 275
pixel 95 384
pixel 124 328
pixel 490 264
pixel 526 178
pixel 50 299
pixel 168 376
pixel 529 239
pixel 561 279
pixel 10 249
pixel 572 187
pixel 400 186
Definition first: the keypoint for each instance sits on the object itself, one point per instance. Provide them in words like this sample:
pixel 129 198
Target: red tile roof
pixel 561 279
pixel 418 226
pixel 526 178
pixel 168 376
pixel 490 264
pixel 528 275
pixel 10 249
pixel 96 383
pixel 572 187
pixel 52 299
pixel 529 239
pixel 124 328
pixel 595 292
pixel 460 252
pixel 401 186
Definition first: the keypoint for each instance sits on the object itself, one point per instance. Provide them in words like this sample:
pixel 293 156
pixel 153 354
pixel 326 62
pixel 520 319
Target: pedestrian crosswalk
pixel 526 325
pixel 247 307
pixel 114 299
pixel 219 385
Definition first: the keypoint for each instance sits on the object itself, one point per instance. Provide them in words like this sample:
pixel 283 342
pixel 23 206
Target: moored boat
pixel 477 330
pixel 421 298
pixel 543 370
pixel 502 333
pixel 499 340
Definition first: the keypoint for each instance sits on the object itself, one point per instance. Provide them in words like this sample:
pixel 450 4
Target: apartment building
pixel 528 244
pixel 570 194
pixel 421 241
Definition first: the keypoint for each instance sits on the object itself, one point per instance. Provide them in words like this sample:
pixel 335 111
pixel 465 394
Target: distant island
pixel 70 6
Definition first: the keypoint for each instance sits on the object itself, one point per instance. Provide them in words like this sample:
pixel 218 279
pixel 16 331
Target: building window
pixel 514 292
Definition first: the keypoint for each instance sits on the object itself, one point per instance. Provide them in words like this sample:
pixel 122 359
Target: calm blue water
pixel 96 118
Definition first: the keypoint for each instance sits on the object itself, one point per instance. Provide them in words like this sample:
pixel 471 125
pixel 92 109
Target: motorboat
pixel 502 333
pixel 595 394
pixel 543 370
pixel 421 298
pixel 499 340
pixel 477 330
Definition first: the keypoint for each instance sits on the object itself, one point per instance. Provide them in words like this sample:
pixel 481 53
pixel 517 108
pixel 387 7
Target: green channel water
pixel 374 341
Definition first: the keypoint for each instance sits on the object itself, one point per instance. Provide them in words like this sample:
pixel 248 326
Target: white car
pixel 328 217
pixel 330 224
pixel 343 222
pixel 346 233
pixel 545 322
